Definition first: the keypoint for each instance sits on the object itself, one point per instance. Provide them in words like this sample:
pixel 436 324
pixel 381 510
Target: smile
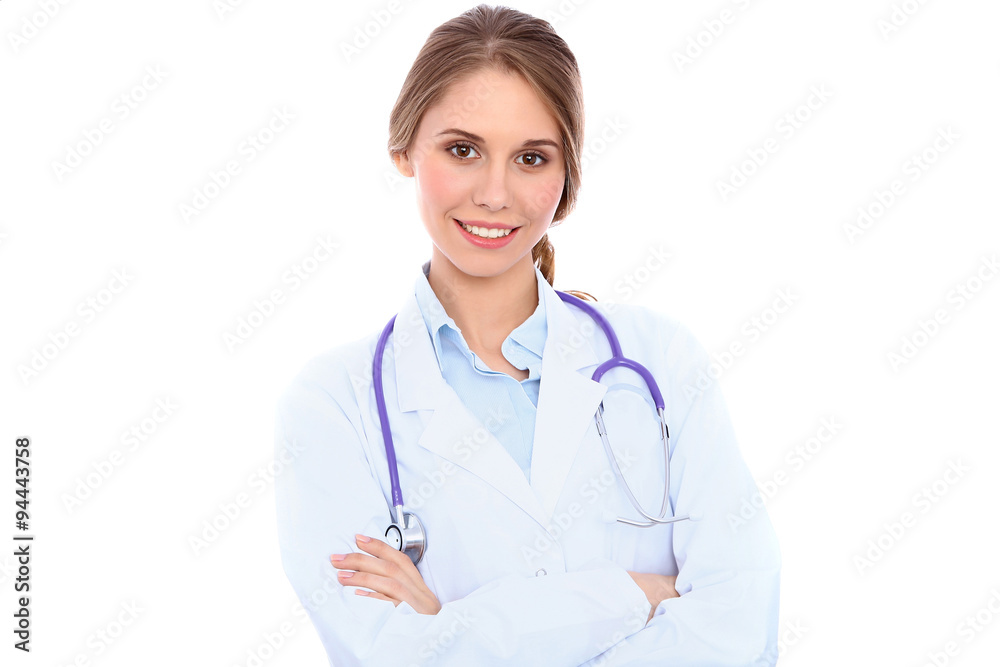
pixel 484 232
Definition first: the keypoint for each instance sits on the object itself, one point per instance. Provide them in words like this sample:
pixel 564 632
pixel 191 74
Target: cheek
pixel 544 197
pixel 438 186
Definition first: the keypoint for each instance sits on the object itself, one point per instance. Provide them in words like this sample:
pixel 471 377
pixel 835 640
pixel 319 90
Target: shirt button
pixel 540 573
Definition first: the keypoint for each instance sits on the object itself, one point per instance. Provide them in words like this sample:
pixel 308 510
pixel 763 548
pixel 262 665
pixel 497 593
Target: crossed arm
pixel 385 573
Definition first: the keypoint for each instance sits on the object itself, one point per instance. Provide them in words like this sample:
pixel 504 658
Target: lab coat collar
pixel 567 402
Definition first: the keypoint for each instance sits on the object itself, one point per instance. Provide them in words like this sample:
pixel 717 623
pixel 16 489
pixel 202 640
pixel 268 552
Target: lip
pixel 486 243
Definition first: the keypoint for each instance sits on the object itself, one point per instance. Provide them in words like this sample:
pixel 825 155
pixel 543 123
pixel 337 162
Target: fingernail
pixel 345 575
pixel 362 538
pixel 358 591
pixel 338 557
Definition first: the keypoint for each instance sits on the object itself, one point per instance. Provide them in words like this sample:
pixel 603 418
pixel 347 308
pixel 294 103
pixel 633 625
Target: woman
pixel 491 406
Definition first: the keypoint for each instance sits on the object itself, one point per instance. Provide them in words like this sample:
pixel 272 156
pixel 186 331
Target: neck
pixel 488 308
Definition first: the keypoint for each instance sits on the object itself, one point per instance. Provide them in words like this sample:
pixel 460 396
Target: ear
pixel 402 162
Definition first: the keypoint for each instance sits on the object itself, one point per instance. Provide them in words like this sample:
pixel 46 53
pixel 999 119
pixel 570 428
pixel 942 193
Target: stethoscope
pixel 407 534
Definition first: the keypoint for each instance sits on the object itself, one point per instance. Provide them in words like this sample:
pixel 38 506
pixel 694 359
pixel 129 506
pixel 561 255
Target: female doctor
pixel 528 554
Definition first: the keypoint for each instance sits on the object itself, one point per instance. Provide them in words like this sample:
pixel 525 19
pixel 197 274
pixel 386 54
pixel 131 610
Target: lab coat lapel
pixel 450 430
pixel 567 402
pixel 567 399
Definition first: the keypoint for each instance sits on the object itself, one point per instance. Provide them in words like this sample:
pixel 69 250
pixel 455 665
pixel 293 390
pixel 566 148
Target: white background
pixel 654 186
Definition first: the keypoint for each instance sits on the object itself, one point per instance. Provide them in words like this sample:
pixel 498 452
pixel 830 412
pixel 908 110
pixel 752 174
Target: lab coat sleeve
pixel 728 559
pixel 328 493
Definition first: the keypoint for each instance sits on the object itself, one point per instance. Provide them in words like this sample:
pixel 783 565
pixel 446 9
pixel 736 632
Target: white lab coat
pixel 529 574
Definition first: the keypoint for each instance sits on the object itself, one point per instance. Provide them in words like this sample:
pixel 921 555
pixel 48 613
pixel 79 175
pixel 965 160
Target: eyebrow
pixel 475 137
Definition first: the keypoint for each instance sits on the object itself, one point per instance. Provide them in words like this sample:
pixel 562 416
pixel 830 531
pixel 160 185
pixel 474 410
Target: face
pixel 489 155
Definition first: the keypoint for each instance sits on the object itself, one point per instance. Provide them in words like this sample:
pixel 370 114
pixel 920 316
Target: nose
pixel 491 189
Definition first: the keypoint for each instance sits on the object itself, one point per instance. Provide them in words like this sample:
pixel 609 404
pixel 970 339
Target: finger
pixel 375 595
pixel 362 562
pixel 402 562
pixel 365 581
pixel 393 589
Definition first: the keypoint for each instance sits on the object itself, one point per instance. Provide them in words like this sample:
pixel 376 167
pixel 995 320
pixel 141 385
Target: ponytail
pixel 544 256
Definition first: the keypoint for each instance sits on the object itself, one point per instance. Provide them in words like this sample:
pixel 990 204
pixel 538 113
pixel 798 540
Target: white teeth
pixel 486 233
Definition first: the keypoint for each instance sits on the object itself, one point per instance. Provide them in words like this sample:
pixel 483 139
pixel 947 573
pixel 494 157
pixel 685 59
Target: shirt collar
pixel 529 335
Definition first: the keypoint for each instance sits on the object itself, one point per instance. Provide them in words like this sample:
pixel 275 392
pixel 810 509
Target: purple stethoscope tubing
pixel 383 415
pixel 616 360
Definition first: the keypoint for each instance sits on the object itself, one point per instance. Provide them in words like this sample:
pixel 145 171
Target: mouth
pixel 486 230
pixel 487 234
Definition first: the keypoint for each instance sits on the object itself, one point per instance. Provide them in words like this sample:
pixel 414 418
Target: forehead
pixel 491 103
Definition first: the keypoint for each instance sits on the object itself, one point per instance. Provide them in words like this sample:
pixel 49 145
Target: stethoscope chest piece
pixel 407 534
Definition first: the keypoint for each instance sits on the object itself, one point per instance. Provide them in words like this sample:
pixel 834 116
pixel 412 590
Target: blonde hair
pixel 510 42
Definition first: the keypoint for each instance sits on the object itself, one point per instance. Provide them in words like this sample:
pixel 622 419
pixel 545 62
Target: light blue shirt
pixel 482 390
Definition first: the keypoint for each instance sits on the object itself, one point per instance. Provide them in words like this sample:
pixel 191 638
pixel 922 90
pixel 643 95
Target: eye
pixel 535 157
pixel 464 150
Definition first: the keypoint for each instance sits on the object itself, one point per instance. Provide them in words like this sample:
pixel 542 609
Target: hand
pixel 388 572
pixel 657 587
